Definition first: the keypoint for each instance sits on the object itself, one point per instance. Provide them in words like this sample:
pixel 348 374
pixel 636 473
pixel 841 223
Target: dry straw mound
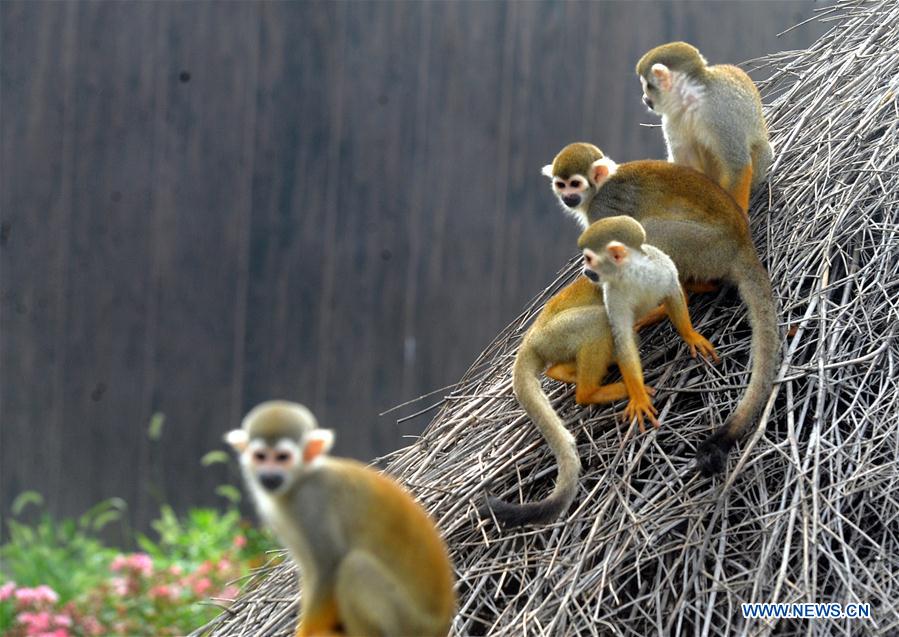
pixel 809 510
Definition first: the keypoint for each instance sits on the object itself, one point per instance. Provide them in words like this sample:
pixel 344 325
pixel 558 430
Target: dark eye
pixel 576 183
pixel 259 456
pixel 560 184
pixel 282 457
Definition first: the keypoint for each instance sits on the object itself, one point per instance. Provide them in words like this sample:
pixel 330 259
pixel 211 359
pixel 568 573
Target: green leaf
pixel 115 505
pixel 106 518
pixel 214 457
pixel 154 431
pixel 24 499
pixel 229 492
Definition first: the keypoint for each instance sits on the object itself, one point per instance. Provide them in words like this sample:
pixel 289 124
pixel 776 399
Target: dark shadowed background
pixel 206 205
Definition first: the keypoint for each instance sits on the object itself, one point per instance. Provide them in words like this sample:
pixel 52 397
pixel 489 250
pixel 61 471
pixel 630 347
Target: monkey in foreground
pixel 711 117
pixel 703 230
pixel 371 560
pixel 591 321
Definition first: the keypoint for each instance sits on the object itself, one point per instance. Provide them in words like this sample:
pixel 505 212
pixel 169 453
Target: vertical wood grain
pixel 205 205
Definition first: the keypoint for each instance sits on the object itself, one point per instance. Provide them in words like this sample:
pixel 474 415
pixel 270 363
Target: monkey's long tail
pixel 526 385
pixel 755 289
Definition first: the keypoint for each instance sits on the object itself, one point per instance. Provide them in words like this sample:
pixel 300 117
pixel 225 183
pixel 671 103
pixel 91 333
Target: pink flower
pixel 138 563
pixel 91 626
pixel 35 622
pixel 224 565
pixel 59 632
pixel 119 586
pixel 62 620
pixel 118 563
pixel 205 568
pixel 170 592
pixel 142 563
pixel 38 595
pixel 230 592
pixel 201 586
pixel 240 541
pixel 176 570
pixel 6 591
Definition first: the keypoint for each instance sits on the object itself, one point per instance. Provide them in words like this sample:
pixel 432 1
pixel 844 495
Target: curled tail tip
pixel 510 516
pixel 711 457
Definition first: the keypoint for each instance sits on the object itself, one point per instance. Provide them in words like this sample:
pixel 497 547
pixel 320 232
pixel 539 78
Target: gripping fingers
pixel 699 344
pixel 640 409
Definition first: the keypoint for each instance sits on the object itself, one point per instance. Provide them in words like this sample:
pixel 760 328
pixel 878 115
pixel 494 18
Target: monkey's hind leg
pixel 739 188
pixel 593 359
pixel 563 372
pixel 699 287
pixel 318 614
pixel 655 316
pixel 372 602
pixel 658 314
pixel 567 373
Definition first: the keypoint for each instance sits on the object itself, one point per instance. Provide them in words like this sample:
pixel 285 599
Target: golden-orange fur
pixel 371 560
pixel 700 226
pixel 575 325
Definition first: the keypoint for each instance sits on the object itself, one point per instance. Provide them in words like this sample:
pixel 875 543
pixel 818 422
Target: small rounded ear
pixel 548 170
pixel 601 170
pixel 238 439
pixel 662 74
pixel 317 443
pixel 617 251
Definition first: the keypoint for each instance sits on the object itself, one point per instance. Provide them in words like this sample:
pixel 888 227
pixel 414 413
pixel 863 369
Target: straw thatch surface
pixel 809 510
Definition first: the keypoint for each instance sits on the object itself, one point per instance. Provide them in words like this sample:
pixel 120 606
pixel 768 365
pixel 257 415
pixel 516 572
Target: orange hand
pixel 641 407
pixel 699 344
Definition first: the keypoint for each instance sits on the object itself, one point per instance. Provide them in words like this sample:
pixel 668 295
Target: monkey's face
pixel 273 467
pixel 650 94
pixel 274 462
pixel 573 191
pixel 606 263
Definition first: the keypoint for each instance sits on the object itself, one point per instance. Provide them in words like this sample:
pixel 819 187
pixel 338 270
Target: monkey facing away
pixel 711 117
pixel 591 321
pixel 704 232
pixel 371 560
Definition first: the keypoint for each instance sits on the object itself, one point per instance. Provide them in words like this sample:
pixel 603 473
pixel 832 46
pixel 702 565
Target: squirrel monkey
pixel 371 560
pixel 591 321
pixel 711 117
pixel 704 232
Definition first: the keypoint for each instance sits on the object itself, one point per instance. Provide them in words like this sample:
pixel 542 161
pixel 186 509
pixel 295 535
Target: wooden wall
pixel 205 205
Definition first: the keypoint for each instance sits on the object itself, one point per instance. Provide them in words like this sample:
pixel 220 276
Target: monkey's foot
pixel 699 344
pixel 564 372
pixel 655 316
pixel 639 408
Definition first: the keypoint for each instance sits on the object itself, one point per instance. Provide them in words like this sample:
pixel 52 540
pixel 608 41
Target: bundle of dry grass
pixel 808 511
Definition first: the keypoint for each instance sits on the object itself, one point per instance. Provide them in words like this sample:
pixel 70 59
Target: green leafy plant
pixel 62 554
pixel 203 535
pixel 58 578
